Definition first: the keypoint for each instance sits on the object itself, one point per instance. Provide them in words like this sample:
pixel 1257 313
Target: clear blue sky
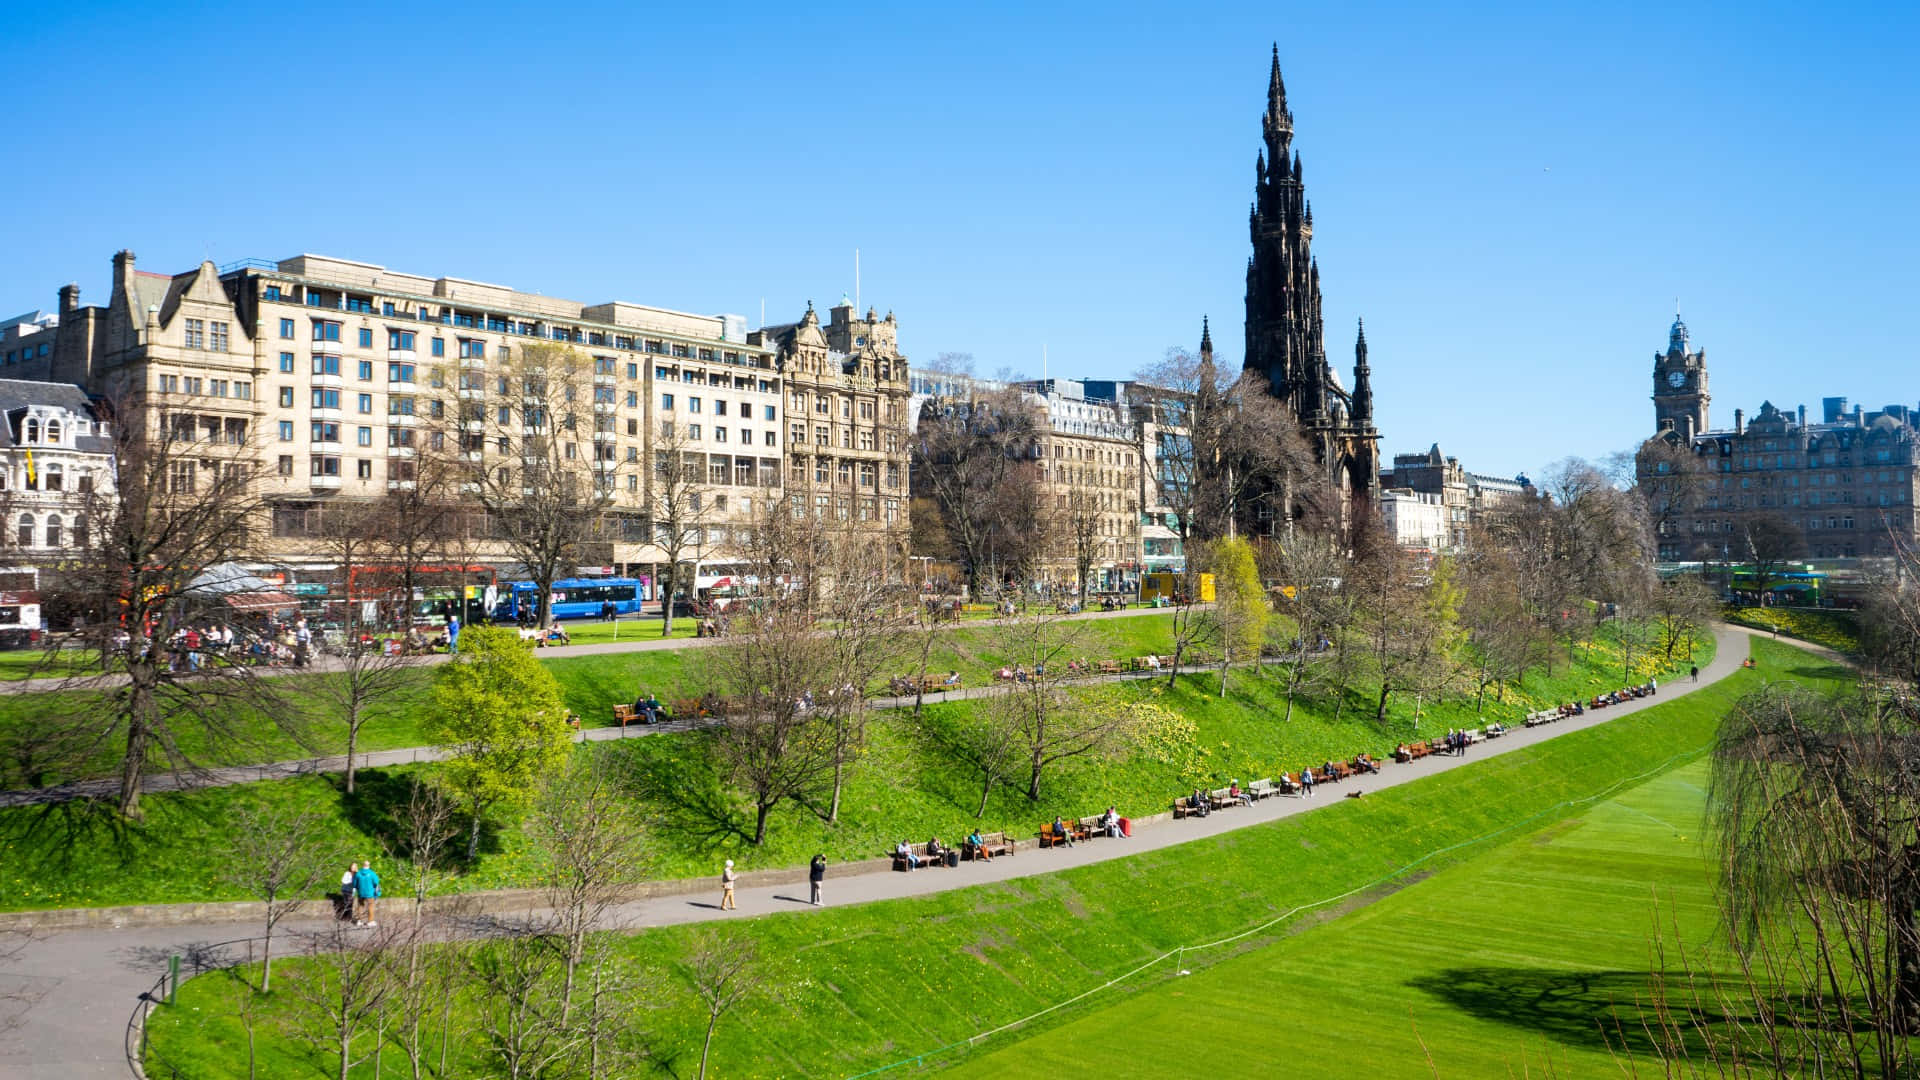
pixel 1512 197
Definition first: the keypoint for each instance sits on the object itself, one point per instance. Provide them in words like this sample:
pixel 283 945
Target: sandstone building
pixel 339 376
pixel 1841 486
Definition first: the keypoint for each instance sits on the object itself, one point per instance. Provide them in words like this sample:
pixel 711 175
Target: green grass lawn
pixel 870 985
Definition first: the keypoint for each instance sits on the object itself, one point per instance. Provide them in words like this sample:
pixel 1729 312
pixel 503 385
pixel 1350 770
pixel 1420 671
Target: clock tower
pixel 1680 386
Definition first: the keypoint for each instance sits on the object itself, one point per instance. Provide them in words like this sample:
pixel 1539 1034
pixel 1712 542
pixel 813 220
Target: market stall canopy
pixel 240 590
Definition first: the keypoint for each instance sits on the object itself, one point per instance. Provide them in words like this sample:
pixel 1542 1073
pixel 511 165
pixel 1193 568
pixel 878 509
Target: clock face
pixel 1676 379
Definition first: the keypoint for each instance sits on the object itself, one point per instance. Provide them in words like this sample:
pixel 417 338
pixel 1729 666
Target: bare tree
pixel 678 501
pixel 1409 620
pixel 1310 568
pixel 1672 482
pixel 1815 804
pixel 1045 722
pixel 186 502
pixel 974 473
pixel 776 678
pixel 586 824
pixel 274 858
pixel 724 970
pixel 1769 541
pixel 521 1005
pixel 1232 455
pixel 551 481
pixel 339 990
pixel 365 681
pixel 1082 524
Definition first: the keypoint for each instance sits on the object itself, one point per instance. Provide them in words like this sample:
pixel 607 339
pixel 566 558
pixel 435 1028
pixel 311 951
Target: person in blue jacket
pixel 366 884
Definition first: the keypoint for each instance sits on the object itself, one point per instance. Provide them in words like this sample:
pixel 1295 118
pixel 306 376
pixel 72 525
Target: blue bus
pixel 573 598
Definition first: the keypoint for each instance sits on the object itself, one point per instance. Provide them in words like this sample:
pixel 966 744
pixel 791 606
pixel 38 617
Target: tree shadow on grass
pixel 679 781
pixel 377 808
pixel 1632 1013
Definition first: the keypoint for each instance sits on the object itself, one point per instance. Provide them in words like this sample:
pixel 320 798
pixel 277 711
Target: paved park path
pixel 646 640
pixel 90 980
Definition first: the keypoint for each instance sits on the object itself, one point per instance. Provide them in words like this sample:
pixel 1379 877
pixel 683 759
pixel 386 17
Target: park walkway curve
pixel 90 979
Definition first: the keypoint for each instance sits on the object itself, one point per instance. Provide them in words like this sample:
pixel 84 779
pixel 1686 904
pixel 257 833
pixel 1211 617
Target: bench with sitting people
pixel 908 857
pixel 1060 833
pixel 907 685
pixel 986 846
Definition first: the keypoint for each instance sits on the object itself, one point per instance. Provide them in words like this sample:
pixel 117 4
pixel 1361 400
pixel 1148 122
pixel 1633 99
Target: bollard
pixel 173 976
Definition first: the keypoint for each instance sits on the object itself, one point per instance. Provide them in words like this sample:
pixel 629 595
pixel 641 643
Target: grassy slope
pixel 592 684
pixel 904 787
pixel 869 985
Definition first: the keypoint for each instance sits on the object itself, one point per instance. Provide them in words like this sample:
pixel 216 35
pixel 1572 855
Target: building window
pixel 326 398
pixel 326 330
pixel 401 340
pixel 666 401
pixel 286 397
pixel 326 364
pixel 363 469
pixel 366 337
pixel 439 347
pixel 286 362
pixel 286 329
pixel 364 369
pixel 364 436
pixel 195 334
pixel 472 350
pixel 399 373
pixel 26 530
pixel 693 404
pixel 286 431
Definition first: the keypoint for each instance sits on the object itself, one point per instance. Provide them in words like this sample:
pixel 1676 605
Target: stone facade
pixel 846 417
pixel 1090 477
pixel 337 375
pixel 1844 486
pixel 1465 498
pixel 56 460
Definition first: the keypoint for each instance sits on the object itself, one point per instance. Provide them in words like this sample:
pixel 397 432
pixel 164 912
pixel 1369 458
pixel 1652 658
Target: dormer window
pixel 33 429
pixel 53 432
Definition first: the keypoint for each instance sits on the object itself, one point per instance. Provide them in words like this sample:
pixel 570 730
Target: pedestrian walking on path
pixel 726 888
pixel 816 873
pixel 349 904
pixel 367 884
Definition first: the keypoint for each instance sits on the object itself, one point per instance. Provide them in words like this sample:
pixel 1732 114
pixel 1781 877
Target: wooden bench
pixel 1049 838
pixel 1109 667
pixel 1183 807
pixel 995 843
pixel 1341 770
pixel 1263 789
pixel 900 861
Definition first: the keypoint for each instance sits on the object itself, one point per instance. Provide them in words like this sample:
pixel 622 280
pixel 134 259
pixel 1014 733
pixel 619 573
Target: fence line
pixel 1180 951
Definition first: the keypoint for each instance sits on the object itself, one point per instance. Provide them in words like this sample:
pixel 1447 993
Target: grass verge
pixel 875 984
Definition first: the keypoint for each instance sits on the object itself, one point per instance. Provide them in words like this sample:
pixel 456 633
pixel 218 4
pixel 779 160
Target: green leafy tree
pixel 1240 605
pixel 499 710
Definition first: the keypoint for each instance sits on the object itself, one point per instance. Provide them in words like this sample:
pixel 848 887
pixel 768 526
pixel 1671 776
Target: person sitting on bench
pixel 1061 834
pixel 1110 821
pixel 935 853
pixel 1202 806
pixel 647 708
pixel 905 851
pixel 952 679
pixel 1234 793
pixel 978 846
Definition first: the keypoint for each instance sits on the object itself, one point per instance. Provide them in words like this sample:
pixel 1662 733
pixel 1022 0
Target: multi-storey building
pixel 1843 487
pixel 25 339
pixel 56 460
pixel 1090 480
pixel 1465 498
pixel 846 416
pixel 340 375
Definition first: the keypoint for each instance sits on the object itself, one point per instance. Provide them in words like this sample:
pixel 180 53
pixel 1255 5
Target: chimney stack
pixel 1803 416
pixel 122 271
pixel 1739 421
pixel 69 299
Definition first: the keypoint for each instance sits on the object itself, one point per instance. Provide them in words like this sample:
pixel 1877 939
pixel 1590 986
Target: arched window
pixel 26 530
pixel 33 430
pixel 53 530
pixel 53 431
